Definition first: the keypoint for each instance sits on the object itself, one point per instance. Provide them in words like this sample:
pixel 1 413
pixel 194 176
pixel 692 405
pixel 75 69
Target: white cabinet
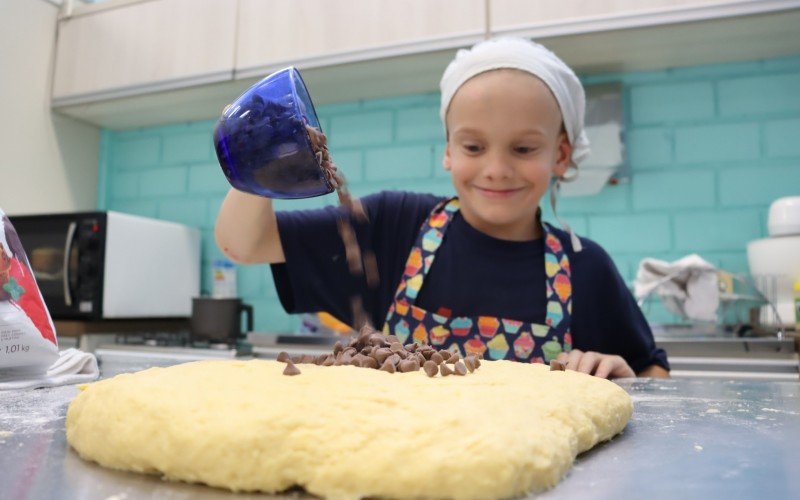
pixel 143 46
pixel 524 14
pixel 126 63
pixel 312 33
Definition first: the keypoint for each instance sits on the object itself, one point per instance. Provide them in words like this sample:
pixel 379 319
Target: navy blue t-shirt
pixel 474 275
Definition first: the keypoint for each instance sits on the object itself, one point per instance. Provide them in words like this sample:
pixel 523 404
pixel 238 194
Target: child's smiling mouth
pixel 497 193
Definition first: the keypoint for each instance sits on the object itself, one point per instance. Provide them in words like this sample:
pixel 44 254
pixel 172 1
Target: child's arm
pixel 247 229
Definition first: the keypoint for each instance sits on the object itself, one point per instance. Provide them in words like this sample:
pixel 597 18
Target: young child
pixel 480 273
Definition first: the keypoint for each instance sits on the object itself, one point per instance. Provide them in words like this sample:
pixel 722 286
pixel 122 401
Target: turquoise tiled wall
pixel 709 148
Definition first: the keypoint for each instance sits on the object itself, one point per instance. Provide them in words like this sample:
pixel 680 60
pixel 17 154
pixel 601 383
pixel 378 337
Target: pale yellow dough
pixel 346 432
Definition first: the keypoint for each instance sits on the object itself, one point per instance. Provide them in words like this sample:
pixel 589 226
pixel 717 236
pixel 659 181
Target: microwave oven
pixel 111 265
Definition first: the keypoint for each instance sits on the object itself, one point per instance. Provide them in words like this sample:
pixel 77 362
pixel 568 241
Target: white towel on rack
pixel 688 286
pixel 71 367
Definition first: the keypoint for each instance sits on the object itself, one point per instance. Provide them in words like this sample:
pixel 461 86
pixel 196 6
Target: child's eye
pixel 523 150
pixel 472 148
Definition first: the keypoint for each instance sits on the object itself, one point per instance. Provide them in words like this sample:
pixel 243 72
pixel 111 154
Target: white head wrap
pixel 533 58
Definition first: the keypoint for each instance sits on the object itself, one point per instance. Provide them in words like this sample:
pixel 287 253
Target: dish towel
pixel 71 367
pixel 688 286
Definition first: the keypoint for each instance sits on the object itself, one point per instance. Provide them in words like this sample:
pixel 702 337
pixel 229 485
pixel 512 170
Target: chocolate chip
pixel 308 358
pixel 297 359
pixel 369 363
pixel 437 358
pixel 409 365
pixel 454 357
pixel 377 340
pixel 391 339
pixel 396 347
pixel 445 355
pixel 337 347
pixel 394 359
pixel 412 347
pixel 283 357
pixel 477 362
pixel 321 359
pixel 460 369
pixel 329 360
pixel 557 366
pixel 291 369
pixel 388 367
pixel 366 351
pixel 445 370
pixel 381 354
pixel 420 358
pixel 469 361
pixel 430 368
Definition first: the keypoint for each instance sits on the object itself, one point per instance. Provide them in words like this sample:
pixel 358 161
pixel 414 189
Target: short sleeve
pixel 606 318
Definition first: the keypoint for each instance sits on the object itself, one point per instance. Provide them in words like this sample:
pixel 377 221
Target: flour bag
pixel 28 344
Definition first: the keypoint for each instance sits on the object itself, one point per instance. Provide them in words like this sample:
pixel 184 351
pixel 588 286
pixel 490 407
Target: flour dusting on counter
pixel 34 411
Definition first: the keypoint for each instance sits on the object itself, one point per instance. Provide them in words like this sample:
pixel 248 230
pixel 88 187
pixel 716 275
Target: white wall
pixel 48 162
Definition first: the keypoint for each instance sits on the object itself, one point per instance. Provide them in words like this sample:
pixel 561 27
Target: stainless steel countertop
pixel 687 439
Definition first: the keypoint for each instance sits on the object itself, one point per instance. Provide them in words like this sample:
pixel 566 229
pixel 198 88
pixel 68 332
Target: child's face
pixel 505 142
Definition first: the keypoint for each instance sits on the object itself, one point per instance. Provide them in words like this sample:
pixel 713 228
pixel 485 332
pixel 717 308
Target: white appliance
pixel 775 261
pixel 603 125
pixel 110 265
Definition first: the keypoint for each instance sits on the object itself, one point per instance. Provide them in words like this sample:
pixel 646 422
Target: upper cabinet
pixel 312 33
pixel 507 15
pixel 128 63
pixel 145 46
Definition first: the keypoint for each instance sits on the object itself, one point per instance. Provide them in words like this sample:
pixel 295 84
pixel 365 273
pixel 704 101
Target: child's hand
pixel 597 364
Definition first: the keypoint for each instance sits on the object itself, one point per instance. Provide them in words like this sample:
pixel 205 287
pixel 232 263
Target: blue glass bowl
pixel 262 142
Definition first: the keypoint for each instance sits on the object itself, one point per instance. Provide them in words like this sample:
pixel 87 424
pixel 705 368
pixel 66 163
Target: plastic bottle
pixel 224 272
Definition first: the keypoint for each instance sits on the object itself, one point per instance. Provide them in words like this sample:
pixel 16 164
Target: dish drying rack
pixel 758 300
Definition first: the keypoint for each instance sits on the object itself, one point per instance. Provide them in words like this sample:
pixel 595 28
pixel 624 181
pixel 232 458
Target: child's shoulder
pixel 401 202
pixel 590 251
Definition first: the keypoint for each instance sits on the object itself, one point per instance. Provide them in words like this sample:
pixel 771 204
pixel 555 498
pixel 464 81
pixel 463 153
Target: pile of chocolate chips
pixel 372 349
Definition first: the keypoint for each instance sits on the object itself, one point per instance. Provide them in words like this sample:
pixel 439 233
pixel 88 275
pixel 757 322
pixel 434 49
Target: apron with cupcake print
pixel 493 338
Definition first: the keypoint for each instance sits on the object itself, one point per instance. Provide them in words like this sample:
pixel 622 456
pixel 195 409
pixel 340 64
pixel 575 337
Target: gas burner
pixel 154 339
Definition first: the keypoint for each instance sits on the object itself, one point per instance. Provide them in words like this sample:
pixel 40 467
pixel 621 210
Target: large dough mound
pixel 348 432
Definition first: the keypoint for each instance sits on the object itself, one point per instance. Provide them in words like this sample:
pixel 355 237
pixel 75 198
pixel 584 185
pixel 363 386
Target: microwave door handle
pixel 73 226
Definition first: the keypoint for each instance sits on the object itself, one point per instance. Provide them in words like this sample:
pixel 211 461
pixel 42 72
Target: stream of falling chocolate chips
pixel 357 263
pixel 373 349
